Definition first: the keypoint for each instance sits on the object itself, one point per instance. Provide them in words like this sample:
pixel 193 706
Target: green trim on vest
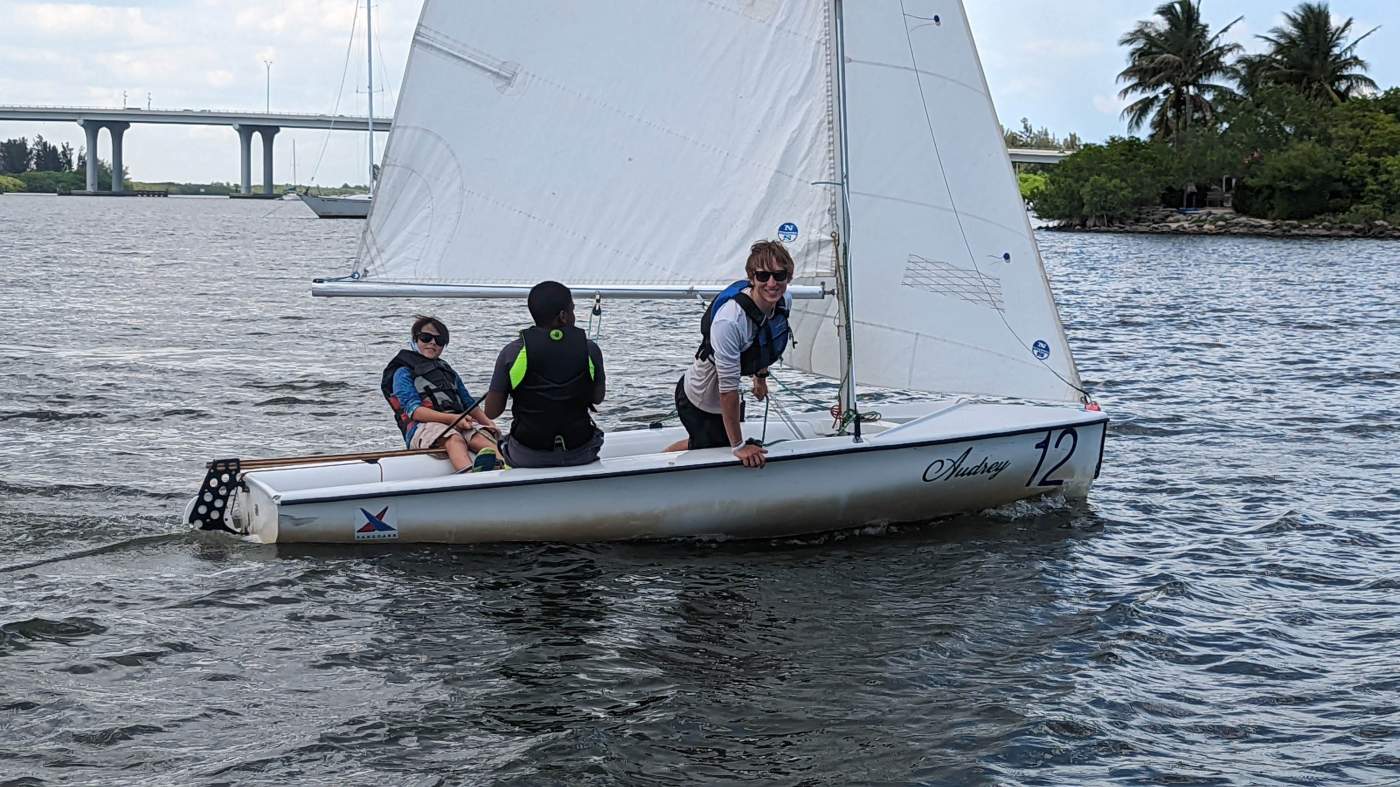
pixel 591 374
pixel 517 369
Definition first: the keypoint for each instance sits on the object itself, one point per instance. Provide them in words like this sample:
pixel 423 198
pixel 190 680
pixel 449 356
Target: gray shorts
pixel 517 455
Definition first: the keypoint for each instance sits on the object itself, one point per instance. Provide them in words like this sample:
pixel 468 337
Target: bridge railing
pixel 153 110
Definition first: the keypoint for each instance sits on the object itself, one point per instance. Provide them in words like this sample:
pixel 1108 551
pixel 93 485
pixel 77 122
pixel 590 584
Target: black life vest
pixel 551 389
pixel 770 336
pixel 434 380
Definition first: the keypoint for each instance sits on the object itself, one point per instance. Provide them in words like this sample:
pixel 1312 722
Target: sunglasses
pixel 429 338
pixel 764 276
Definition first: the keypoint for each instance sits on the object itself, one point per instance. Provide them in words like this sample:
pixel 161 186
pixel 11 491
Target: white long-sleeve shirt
pixel 731 333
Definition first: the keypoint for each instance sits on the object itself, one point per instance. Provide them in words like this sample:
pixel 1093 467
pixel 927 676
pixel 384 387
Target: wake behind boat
pixel 863 137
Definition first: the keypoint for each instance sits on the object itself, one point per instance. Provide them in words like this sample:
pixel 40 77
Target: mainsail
pixel 649 143
pixel 606 143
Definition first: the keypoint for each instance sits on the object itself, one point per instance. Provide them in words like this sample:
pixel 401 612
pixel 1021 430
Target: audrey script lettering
pixel 948 469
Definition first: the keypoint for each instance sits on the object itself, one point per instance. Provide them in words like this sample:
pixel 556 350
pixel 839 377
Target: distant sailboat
pixel 353 206
pixel 635 151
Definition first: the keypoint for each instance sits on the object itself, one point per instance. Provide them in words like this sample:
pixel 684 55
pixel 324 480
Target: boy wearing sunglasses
pixel 428 399
pixel 743 332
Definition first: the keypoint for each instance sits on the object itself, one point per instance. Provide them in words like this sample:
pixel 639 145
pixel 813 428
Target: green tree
pixel 1032 185
pixel 14 155
pixel 1105 183
pixel 1298 182
pixel 1312 55
pixel 8 184
pixel 46 157
pixel 1040 138
pixel 1178 69
pixel 1269 119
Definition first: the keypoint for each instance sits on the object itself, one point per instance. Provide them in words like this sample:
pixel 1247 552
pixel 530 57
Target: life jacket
pixel 434 380
pixel 770 331
pixel 551 389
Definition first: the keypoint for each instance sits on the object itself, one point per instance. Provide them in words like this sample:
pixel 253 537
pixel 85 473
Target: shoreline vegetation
pixel 1224 221
pixel 1296 141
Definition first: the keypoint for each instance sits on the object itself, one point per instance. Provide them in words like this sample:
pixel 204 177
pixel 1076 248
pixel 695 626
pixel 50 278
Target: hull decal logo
pixel 376 527
pixel 950 469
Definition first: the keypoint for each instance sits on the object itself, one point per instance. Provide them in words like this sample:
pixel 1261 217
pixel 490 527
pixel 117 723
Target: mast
pixel 369 58
pixel 843 250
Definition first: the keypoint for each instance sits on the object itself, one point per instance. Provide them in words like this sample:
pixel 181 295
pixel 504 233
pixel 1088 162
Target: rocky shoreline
pixel 1223 221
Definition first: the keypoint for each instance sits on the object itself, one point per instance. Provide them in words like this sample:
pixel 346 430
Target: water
pixel 1222 611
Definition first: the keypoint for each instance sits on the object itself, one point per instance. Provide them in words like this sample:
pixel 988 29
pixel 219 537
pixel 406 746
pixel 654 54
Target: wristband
pixel 736 449
pixel 763 375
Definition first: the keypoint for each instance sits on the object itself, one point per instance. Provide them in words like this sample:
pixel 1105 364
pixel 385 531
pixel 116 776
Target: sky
pixel 1054 63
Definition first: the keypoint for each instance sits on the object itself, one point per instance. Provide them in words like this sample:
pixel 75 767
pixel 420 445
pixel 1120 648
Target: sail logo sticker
pixel 1041 349
pixel 787 233
pixel 376 527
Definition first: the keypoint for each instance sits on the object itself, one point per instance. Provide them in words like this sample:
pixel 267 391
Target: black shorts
pixel 706 430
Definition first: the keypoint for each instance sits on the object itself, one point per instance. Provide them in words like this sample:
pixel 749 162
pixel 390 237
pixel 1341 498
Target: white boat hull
pixel 945 464
pixel 338 207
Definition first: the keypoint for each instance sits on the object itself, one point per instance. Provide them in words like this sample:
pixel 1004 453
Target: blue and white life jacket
pixel 770 336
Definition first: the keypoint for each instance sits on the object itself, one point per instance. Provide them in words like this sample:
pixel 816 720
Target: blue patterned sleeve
pixel 404 391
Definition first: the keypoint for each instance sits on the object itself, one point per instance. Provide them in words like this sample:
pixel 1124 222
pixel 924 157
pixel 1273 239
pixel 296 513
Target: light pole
pixel 268 108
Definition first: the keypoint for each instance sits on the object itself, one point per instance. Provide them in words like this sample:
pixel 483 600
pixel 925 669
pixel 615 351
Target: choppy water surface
pixel 1221 611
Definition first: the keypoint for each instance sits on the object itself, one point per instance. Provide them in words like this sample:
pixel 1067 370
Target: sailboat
pixel 353 206
pixel 634 152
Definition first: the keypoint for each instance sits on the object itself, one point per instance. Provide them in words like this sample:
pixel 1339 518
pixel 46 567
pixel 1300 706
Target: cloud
pixel 1109 105
pixel 85 21
pixel 219 78
pixel 1063 48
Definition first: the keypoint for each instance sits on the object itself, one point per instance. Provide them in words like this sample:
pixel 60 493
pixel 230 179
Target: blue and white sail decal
pixel 948 290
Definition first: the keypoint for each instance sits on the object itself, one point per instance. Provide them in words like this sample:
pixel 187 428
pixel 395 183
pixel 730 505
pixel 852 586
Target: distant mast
pixel 369 58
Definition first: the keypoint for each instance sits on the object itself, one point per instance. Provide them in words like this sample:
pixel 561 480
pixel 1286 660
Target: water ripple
pixel 1221 611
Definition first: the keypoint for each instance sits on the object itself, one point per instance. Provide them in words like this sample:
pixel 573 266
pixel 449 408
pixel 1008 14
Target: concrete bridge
pixel 1034 156
pixel 117 121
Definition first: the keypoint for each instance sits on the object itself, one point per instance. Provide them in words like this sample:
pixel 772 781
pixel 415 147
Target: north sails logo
pixel 375 528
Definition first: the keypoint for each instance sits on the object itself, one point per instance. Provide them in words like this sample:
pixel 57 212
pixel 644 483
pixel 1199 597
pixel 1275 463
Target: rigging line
pixel 387 85
pixel 345 69
pixel 957 214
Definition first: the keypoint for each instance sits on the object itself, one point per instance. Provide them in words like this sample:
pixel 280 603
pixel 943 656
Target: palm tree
pixel 1177 67
pixel 1309 53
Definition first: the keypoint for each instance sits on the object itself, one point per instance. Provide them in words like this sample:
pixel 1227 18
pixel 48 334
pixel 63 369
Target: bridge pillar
pixel 245 157
pixel 90 128
pixel 268 132
pixel 116 130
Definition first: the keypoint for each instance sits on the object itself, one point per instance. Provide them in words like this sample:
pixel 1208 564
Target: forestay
pixel 622 143
pixel 948 290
